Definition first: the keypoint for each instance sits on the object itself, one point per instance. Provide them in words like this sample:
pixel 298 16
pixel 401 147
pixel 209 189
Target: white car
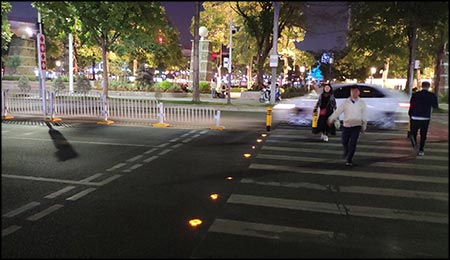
pixel 385 106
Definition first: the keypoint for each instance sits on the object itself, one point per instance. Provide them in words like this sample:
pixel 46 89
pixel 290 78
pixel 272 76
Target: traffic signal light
pixel 160 39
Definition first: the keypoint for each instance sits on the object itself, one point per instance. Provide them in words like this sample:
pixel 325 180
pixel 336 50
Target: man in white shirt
pixel 355 121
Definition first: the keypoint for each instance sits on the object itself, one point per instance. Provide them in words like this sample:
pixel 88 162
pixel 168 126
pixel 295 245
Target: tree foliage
pixel 6 32
pixel 400 31
pixel 124 27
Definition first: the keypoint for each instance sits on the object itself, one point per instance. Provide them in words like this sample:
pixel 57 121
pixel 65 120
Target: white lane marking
pixel 5 131
pixel 174 139
pixel 204 132
pixel 110 179
pixel 332 208
pixel 29 133
pixel 81 194
pixel 177 145
pixel 368 133
pixel 359 153
pixel 187 140
pixel 47 179
pixel 151 158
pixel 407 147
pixel 416 194
pixel 24 208
pixel 117 166
pixel 352 173
pixel 134 158
pixel 268 231
pixel 195 136
pixel 163 145
pixel 150 151
pixel 88 179
pixel 165 151
pixel 61 191
pixel 133 167
pixel 82 142
pixel 45 212
pixel 192 131
pixel 10 230
pixel 184 135
pixel 410 166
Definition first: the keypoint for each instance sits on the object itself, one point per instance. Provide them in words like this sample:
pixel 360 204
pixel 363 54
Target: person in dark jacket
pixel 420 109
pixel 326 104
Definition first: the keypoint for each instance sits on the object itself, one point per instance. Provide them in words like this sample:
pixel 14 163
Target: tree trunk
pixel 412 40
pixel 105 69
pixel 249 74
pixel 437 67
pixel 385 71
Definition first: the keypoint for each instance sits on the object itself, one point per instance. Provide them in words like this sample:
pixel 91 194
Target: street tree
pixel 6 32
pixel 105 23
pixel 384 29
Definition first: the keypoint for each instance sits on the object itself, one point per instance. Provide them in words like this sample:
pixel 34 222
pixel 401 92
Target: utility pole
pixel 42 65
pixel 274 56
pixel 70 63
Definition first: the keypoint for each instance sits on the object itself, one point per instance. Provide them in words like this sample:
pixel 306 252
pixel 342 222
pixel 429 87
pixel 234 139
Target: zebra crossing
pixel 299 199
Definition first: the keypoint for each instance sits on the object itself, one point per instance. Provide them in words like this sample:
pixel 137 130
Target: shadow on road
pixel 65 150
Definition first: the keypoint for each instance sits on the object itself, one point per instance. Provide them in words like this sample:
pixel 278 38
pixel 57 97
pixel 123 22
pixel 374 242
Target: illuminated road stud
pixel 258 140
pixel 229 178
pixel 253 147
pixel 195 222
pixel 263 135
pixel 247 155
pixel 214 196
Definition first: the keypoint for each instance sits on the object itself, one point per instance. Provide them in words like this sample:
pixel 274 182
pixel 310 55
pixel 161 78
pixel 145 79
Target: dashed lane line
pixel 45 212
pixel 81 194
pixel 61 191
pixel 19 210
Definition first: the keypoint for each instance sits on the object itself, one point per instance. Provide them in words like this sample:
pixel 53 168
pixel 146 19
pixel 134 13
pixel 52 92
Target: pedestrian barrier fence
pixel 95 105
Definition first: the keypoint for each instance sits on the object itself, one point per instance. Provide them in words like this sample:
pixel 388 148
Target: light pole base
pixel 105 122
pixel 160 125
pixel 7 117
pixel 217 127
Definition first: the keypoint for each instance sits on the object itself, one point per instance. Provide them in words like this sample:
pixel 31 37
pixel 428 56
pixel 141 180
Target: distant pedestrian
pixel 420 109
pixel 326 105
pixel 355 121
pixel 213 86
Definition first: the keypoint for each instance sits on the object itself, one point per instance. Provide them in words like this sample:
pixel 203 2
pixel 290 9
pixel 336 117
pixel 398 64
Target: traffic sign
pixel 41 52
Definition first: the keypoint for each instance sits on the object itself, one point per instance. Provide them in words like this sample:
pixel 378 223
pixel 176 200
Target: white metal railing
pixel 93 105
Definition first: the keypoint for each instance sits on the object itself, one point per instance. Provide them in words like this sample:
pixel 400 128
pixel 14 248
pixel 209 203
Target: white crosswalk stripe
pixel 296 174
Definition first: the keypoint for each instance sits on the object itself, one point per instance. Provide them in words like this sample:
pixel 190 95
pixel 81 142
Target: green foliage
pixel 6 32
pixel 443 98
pixel 294 92
pixel 167 86
pixel 114 84
pixel 83 84
pixel 203 87
pixel 16 78
pixel 13 62
pixel 24 84
pixel 58 84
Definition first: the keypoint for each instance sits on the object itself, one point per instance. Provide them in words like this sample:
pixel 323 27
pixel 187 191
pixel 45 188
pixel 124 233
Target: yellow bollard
pixel 268 118
pixel 315 118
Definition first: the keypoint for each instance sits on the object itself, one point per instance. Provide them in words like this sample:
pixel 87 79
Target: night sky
pixel 326 22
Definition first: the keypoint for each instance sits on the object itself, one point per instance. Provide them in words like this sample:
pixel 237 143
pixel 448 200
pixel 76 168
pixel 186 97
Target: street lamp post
pixel 372 71
pixel 229 63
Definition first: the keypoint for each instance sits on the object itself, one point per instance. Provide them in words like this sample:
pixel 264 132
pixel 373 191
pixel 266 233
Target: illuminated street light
pixel 372 71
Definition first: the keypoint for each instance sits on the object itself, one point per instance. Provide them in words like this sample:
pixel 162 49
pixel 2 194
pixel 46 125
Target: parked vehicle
pixel 385 106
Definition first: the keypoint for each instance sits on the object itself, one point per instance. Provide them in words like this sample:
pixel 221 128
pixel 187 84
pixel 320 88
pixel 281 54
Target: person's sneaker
pixel 348 164
pixel 420 153
pixel 325 138
pixel 322 136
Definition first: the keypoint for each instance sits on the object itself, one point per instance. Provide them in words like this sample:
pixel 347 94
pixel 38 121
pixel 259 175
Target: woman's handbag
pixel 323 111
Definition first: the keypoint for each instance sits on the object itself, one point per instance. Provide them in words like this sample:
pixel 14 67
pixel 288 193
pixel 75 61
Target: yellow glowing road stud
pixel 229 178
pixel 214 196
pixel 253 147
pixel 247 155
pixel 195 222
pixel 263 135
pixel 258 140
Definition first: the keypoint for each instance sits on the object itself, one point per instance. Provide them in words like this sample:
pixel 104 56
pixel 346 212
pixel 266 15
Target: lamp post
pixel 372 71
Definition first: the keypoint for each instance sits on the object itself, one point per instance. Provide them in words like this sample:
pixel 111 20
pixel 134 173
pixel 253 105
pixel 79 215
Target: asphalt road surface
pixel 82 190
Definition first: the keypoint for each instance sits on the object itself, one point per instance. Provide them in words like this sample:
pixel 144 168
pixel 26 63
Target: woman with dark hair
pixel 326 105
